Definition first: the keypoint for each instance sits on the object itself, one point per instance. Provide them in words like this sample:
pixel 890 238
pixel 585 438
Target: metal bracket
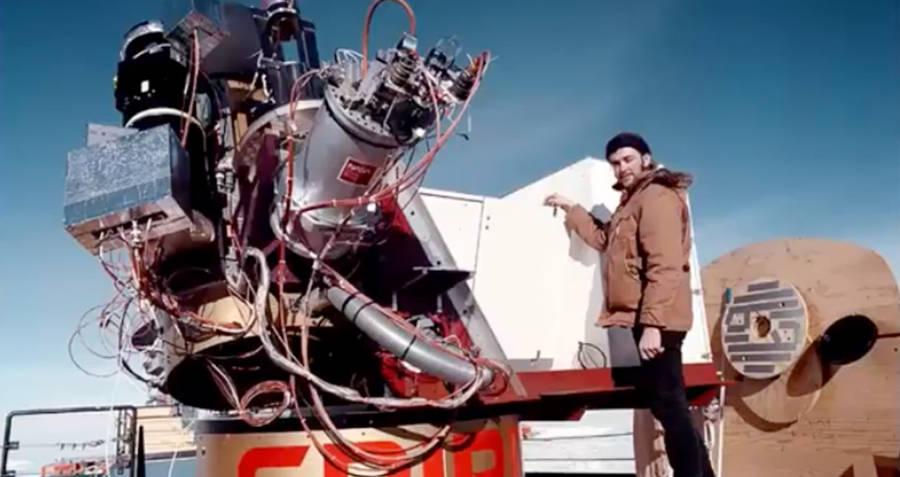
pixel 460 295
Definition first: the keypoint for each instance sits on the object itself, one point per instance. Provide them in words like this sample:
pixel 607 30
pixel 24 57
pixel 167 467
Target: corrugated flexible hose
pixel 382 330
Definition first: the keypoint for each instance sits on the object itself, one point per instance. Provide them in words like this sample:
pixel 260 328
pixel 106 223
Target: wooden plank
pixel 857 414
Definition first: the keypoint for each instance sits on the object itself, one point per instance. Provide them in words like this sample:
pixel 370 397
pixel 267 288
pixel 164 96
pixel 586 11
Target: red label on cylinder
pixel 355 172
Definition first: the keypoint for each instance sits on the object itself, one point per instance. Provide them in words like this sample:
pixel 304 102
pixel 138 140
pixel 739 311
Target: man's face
pixel 629 165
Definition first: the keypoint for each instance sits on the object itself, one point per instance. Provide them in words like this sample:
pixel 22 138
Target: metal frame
pixel 555 394
pixel 423 227
pixel 548 395
pixel 9 445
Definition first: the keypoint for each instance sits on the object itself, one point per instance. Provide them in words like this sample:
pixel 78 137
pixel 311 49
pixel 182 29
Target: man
pixel 646 249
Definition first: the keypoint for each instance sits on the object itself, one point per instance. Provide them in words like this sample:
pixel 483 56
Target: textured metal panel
pixel 137 177
pixel 100 133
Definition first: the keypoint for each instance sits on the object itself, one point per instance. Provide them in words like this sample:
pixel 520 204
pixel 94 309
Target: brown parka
pixel 646 253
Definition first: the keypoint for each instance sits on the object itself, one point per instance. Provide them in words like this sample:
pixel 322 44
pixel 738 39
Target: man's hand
pixel 651 343
pixel 556 200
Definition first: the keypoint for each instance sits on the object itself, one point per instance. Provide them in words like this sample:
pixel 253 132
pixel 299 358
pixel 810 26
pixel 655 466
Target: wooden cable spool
pixel 833 411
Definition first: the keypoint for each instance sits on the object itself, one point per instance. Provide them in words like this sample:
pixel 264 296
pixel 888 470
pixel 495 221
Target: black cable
pixel 581 355
pixel 140 378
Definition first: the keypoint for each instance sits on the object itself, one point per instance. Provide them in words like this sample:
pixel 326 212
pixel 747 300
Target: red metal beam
pixel 568 391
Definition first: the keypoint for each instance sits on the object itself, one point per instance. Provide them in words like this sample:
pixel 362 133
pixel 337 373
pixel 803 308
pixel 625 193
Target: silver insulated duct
pixel 400 342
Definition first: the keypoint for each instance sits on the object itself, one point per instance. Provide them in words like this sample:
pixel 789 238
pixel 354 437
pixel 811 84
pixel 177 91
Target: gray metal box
pixel 100 133
pixel 142 177
pixel 183 17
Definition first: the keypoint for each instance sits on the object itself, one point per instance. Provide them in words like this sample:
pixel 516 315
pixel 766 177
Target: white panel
pixel 458 219
pixel 581 447
pixel 517 283
pixel 696 344
pixel 563 465
pixel 540 290
pixel 600 443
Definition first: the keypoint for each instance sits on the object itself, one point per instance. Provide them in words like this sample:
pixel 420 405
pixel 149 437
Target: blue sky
pixel 785 111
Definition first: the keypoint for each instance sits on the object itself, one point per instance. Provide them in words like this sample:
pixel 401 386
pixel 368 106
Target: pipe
pixel 437 251
pixel 452 401
pixel 400 342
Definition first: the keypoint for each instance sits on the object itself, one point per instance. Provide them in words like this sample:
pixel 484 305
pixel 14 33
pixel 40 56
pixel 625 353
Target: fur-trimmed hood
pixel 665 177
pixel 674 179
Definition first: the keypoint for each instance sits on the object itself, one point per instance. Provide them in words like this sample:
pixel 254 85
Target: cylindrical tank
pixel 340 158
pixel 150 75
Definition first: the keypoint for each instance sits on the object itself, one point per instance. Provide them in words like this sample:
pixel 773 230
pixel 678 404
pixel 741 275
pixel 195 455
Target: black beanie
pixel 627 139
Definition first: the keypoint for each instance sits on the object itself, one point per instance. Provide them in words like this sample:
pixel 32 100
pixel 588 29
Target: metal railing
pixel 125 441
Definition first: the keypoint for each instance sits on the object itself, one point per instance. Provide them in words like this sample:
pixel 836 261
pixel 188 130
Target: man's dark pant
pixel 661 382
